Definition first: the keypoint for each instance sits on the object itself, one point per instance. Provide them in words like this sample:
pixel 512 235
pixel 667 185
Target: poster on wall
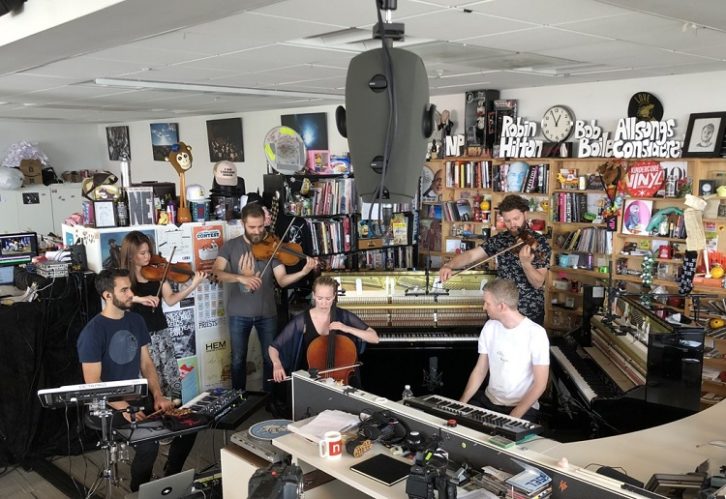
pixel 225 140
pixel 117 141
pixel 206 241
pixel 182 331
pixel 215 359
pixel 636 216
pixel 163 136
pixel 209 300
pixel 312 127
pixel 172 238
pixel 111 245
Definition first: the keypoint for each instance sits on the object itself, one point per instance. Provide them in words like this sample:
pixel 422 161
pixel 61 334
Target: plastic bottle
pixel 407 393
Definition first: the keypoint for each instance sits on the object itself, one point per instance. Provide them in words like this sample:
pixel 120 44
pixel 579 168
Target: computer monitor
pixel 18 248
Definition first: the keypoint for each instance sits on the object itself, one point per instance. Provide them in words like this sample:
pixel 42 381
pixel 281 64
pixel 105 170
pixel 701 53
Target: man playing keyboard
pixel 113 347
pixel 514 351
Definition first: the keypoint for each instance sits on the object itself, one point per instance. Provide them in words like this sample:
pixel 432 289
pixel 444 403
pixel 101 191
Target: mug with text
pixel 331 446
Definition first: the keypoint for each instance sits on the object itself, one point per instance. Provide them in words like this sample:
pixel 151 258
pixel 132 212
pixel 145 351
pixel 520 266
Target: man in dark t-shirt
pixel 113 347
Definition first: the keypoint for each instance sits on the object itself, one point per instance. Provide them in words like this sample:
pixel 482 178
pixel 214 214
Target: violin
pixel 289 254
pixel 331 351
pixel 156 270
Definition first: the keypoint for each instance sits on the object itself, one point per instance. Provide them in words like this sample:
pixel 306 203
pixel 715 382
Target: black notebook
pixel 383 468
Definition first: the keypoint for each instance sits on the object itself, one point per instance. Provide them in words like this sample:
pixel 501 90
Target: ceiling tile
pixel 547 12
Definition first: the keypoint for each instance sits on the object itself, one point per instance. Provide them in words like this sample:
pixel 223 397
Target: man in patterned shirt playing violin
pixel 527 266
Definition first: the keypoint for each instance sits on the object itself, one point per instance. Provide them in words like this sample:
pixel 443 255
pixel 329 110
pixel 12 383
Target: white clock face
pixel 557 123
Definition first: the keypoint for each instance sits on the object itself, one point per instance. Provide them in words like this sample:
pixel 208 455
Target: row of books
pixel 330 236
pixel 468 174
pixel 333 196
pixel 569 207
pixel 521 177
pixel 587 240
pixel 400 257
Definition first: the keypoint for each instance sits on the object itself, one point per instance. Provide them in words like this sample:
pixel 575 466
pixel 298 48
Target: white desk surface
pixel 307 451
pixel 677 447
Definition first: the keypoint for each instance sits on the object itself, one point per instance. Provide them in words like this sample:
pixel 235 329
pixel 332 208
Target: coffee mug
pixel 331 446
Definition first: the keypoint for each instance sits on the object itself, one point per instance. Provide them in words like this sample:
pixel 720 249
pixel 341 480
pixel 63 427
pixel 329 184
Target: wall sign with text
pixel 632 139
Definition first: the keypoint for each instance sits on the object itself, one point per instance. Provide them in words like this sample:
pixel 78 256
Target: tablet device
pixel 383 469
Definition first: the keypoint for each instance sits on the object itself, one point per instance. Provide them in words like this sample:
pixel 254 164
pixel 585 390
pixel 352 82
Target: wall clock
pixel 558 123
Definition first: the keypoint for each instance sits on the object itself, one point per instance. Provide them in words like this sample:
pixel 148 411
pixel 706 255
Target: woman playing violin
pixel 527 266
pixel 288 351
pixel 251 300
pixel 136 252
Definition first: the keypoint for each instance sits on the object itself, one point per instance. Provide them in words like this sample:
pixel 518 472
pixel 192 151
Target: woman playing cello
pixel 288 351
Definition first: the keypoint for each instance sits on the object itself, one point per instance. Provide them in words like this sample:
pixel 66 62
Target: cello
pixel 332 351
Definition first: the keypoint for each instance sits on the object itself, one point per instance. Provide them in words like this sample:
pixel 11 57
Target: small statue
pixel 180 157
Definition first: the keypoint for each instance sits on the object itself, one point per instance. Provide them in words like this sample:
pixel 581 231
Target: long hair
pixel 129 248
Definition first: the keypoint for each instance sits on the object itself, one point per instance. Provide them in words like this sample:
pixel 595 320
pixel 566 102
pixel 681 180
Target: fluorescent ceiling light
pixel 214 89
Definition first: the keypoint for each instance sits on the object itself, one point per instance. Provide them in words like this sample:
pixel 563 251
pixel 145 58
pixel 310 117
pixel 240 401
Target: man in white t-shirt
pixel 515 351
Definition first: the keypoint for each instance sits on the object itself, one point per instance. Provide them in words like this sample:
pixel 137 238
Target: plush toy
pixel 180 158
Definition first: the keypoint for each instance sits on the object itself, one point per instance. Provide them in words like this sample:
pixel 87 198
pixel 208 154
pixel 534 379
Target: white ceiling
pixel 274 44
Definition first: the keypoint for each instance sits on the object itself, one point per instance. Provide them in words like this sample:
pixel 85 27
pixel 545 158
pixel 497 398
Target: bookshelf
pixel 331 225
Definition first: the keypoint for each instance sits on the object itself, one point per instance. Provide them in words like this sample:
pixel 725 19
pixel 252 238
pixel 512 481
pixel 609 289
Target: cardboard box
pixel 32 171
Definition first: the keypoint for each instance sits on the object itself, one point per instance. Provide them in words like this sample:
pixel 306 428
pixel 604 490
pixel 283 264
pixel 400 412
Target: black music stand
pixel 97 396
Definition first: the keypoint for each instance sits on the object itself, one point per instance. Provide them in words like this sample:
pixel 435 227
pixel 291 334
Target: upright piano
pixel 428 334
pixel 633 369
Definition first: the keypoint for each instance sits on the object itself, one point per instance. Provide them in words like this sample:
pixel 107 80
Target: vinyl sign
pixel 644 179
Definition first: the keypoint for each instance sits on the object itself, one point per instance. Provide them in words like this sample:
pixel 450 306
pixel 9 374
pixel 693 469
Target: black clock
pixel 558 123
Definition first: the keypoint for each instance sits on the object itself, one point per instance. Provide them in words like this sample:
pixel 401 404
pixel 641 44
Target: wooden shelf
pixel 591 273
pixel 586 191
pixel 578 224
pixel 657 238
pixel 716 363
pixel 716 387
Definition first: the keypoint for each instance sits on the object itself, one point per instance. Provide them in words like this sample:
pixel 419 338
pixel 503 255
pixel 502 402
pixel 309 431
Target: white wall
pixel 68 146
pixel 75 147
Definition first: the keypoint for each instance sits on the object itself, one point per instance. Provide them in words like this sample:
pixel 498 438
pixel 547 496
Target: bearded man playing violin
pixel 526 265
pixel 252 300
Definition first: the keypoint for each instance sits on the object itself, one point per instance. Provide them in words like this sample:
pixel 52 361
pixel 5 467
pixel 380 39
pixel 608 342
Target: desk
pixel 677 447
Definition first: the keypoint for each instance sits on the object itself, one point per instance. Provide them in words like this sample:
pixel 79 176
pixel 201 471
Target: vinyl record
pixel 272 428
pixel 645 107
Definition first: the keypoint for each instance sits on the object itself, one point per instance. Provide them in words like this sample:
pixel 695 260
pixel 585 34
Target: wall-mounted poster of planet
pixel 312 127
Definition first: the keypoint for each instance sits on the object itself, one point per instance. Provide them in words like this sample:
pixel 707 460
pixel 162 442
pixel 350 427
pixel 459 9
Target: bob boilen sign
pixel 633 139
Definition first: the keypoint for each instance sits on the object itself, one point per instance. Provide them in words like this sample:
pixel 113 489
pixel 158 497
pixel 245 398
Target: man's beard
pixel 256 238
pixel 120 305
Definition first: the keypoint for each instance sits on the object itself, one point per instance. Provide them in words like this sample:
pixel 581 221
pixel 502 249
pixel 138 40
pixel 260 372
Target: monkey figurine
pixel 180 158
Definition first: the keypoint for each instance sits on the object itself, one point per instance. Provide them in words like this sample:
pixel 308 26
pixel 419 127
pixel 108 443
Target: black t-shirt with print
pixel 531 300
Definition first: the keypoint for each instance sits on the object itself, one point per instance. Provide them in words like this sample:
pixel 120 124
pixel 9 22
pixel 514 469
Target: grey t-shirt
pixel 261 303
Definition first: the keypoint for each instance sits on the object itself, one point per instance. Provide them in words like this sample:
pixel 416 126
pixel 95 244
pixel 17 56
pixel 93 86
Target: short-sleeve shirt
pixel 261 303
pixel 531 300
pixel 116 344
pixel 512 353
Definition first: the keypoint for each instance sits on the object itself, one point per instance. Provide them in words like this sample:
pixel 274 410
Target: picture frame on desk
pixel 704 135
pixel 105 214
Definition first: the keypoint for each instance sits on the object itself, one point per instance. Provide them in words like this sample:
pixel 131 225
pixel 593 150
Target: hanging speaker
pixel 365 120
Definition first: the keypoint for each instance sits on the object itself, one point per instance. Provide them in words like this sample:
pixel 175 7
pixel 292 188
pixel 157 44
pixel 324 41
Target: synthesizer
pixel 477 418
pixel 215 403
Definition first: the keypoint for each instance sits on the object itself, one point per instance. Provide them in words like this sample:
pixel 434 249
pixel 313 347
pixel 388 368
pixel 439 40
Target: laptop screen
pixel 169 487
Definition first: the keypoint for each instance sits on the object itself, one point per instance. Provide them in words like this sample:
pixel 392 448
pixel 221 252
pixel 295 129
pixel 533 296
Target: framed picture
pixel 105 212
pixel 117 141
pixel 312 127
pixel 706 187
pixel 225 140
pixel 163 136
pixel 704 135
pixel 636 216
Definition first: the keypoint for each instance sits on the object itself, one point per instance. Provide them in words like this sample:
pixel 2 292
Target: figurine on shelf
pixel 180 157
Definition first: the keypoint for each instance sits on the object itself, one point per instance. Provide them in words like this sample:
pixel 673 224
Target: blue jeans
pixel 239 334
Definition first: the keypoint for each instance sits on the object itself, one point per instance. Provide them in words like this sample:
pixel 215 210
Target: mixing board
pixel 215 403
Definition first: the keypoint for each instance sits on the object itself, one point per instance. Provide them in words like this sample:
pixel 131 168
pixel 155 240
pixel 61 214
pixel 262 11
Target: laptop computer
pixel 169 487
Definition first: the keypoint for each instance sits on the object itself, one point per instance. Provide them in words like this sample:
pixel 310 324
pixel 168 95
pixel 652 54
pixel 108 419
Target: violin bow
pixel 279 243
pixel 524 230
pixel 166 272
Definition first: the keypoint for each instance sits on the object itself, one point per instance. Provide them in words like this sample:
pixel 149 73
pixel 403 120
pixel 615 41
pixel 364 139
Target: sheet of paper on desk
pixel 328 420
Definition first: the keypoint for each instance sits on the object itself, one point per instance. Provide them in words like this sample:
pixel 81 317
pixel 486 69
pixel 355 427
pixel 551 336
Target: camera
pixel 276 481
pixel 428 474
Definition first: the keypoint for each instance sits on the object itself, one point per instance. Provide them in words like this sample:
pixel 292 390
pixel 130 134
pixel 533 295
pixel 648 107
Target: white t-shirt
pixel 512 353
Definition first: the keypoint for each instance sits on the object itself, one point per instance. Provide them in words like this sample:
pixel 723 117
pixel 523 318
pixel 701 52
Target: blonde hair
pixel 503 291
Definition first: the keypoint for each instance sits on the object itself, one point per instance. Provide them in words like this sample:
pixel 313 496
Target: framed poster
pixel 105 212
pixel 163 136
pixel 636 216
pixel 225 140
pixel 704 135
pixel 117 141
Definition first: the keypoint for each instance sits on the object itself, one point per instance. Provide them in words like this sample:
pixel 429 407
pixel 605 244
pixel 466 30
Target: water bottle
pixel 407 393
